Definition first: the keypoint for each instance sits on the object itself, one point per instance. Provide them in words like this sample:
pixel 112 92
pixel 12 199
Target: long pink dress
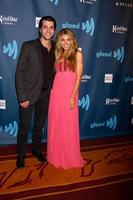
pixel 63 142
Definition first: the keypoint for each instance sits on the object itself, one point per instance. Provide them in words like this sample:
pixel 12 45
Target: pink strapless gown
pixel 63 141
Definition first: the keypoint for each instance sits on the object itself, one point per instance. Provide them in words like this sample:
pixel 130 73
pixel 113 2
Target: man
pixel 34 78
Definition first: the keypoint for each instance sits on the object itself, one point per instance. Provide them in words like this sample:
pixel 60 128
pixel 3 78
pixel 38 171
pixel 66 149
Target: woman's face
pixel 65 42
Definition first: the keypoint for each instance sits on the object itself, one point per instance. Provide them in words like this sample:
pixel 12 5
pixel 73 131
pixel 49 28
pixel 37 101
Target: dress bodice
pixel 62 66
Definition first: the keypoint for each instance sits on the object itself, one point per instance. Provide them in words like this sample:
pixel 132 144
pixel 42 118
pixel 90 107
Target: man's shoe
pixel 20 161
pixel 39 156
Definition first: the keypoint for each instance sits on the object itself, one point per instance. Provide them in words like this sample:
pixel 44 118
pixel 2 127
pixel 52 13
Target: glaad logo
pixel 11 49
pixel 84 102
pixel 118 54
pixel 55 2
pixel 11 128
pixel 128 79
pixel 8 20
pixel 85 78
pixel 88 26
pixel 110 123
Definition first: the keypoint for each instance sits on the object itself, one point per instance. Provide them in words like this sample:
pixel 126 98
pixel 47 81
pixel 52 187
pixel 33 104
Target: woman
pixel 63 147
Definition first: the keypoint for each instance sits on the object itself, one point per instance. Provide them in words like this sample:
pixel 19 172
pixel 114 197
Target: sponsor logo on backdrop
pixel 131 100
pixel 84 102
pixel 119 29
pixel 117 54
pixel 55 2
pixel 112 101
pixel 132 121
pixel 1 77
pixel 128 79
pixel 108 78
pixel 110 123
pixel 11 49
pixel 37 19
pixel 123 4
pixel 2 104
pixel 11 128
pixel 85 78
pixel 88 26
pixel 88 1
pixel 8 20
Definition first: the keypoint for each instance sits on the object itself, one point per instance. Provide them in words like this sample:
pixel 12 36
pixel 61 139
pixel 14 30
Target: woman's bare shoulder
pixel 79 54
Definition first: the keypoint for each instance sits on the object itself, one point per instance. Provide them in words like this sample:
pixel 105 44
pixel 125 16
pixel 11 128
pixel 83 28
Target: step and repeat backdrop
pixel 104 31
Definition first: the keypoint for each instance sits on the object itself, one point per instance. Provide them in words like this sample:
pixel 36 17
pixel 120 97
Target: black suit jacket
pixel 29 72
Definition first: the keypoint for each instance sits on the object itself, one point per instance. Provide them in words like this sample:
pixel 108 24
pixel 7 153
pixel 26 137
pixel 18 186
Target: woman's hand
pixel 25 104
pixel 72 102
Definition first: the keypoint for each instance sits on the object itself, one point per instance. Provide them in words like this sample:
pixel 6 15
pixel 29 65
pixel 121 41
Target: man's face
pixel 47 30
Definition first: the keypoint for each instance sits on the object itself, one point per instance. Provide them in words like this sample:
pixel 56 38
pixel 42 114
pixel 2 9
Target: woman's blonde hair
pixel 70 55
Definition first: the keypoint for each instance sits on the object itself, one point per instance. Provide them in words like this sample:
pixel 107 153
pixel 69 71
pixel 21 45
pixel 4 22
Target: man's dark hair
pixel 48 18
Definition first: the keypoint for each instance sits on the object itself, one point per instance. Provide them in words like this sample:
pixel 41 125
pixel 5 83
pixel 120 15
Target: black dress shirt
pixel 48 58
